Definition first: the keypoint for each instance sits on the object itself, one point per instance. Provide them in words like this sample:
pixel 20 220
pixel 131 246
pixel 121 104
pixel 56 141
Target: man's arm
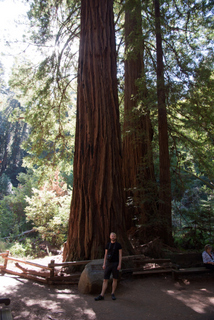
pixel 120 260
pixel 105 256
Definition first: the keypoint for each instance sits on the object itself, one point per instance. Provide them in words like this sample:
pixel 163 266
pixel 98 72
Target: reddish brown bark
pixel 97 206
pixel 164 161
pixel 138 168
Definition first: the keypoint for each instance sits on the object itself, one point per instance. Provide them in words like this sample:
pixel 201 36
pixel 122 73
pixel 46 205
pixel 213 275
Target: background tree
pixel 12 134
pixel 164 161
pixel 138 167
pixel 47 87
pixel 97 206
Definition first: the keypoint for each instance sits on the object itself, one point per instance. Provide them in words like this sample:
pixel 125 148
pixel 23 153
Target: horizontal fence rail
pixel 50 274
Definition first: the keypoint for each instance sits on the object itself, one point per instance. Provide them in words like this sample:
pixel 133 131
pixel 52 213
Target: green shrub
pixel 12 215
pixel 23 249
pixel 3 246
pixel 18 250
pixel 193 218
pixel 49 215
pixel 7 217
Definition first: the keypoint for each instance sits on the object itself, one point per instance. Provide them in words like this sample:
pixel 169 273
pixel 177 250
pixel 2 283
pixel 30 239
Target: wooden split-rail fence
pixel 45 274
pixel 51 274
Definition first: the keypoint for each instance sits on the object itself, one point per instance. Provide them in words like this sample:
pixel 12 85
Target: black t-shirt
pixel 113 248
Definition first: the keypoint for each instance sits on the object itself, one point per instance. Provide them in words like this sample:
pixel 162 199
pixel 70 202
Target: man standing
pixel 112 264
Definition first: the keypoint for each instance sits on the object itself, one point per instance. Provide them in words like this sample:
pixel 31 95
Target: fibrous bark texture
pixel 138 168
pixel 164 165
pixel 97 206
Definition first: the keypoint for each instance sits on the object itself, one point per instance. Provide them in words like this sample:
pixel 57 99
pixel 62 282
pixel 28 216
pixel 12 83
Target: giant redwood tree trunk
pixel 97 206
pixel 138 168
pixel 165 182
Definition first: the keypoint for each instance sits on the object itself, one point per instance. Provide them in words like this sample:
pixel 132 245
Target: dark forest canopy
pixel 174 48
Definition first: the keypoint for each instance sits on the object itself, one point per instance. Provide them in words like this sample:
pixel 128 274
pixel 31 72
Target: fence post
pixel 51 265
pixel 5 258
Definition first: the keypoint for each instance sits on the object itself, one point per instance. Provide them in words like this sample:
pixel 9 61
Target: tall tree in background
pixel 12 134
pixel 138 168
pixel 97 206
pixel 164 161
pixel 49 87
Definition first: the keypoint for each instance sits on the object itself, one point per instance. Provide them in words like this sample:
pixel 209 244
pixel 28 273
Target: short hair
pixel 113 233
pixel 208 246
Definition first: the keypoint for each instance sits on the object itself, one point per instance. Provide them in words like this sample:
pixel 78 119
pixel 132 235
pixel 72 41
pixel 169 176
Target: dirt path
pixel 153 297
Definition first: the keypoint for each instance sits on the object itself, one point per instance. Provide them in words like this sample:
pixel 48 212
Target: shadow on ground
pixel 145 298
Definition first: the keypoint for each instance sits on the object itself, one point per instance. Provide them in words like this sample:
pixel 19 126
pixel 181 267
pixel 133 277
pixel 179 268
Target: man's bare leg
pixel 114 285
pixel 104 287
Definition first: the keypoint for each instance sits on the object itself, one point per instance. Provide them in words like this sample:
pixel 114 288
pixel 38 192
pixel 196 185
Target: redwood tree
pixel 97 206
pixel 165 231
pixel 138 168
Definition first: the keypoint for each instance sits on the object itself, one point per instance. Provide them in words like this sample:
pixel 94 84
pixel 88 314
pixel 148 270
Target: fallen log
pixel 21 234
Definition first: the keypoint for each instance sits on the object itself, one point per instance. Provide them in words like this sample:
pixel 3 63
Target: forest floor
pixel 153 297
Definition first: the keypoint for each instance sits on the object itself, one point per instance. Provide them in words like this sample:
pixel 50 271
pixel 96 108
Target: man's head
pixel 113 237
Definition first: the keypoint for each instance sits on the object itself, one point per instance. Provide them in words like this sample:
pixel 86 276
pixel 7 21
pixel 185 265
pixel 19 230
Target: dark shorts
pixel 111 267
